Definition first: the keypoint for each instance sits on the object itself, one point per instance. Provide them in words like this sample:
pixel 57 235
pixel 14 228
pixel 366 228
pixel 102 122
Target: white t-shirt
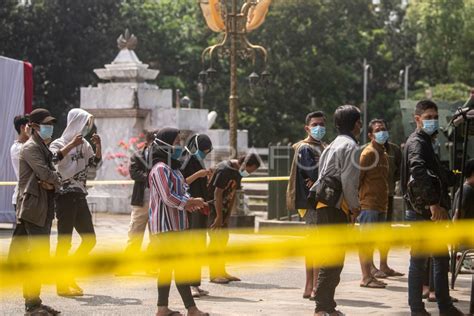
pixel 15 156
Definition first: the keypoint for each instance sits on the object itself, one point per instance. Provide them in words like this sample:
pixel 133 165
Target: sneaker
pixel 203 292
pixel 195 291
pixel 453 311
pixel 468 264
pixel 42 310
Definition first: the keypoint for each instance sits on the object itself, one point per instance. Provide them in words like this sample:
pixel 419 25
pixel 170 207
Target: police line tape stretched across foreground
pixel 326 245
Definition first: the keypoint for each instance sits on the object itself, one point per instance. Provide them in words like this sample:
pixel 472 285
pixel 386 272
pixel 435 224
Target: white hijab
pixel 70 164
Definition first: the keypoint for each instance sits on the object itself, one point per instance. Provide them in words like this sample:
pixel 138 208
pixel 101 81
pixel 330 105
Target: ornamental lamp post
pixel 224 16
pixel 367 69
pixel 201 88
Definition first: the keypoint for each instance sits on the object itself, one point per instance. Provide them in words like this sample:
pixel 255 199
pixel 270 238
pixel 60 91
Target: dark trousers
pixel 198 223
pixel 164 281
pixel 25 239
pixel 72 212
pixel 390 209
pixel 417 275
pixel 329 276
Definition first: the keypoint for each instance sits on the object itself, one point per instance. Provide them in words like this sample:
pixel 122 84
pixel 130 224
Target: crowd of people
pixel 337 182
pixel 345 182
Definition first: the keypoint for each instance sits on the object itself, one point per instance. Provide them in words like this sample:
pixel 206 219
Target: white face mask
pixel 85 131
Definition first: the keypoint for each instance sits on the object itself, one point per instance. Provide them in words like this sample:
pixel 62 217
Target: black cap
pixel 41 116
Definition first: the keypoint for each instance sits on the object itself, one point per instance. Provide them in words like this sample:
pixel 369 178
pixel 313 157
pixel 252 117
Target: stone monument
pixel 124 105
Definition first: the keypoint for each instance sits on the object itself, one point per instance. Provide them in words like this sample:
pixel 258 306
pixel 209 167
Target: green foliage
pixel 316 49
pixel 445 40
pixel 450 92
pixel 64 40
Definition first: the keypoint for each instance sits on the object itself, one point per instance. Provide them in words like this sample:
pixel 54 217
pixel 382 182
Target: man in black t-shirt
pixel 223 186
pixel 467 205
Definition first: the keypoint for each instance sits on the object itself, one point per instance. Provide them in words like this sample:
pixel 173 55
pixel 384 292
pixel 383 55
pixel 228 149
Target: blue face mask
pixel 177 152
pixel 46 131
pixel 381 137
pixel 199 154
pixel 430 126
pixel 318 132
pixel 244 173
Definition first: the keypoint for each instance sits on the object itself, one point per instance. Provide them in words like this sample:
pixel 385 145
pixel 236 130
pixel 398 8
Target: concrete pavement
pixel 273 288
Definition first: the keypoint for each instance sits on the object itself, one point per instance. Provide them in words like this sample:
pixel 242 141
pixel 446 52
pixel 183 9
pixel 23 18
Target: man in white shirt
pixel 21 126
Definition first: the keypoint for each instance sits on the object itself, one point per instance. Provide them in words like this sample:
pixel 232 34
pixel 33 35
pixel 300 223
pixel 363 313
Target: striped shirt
pixel 168 195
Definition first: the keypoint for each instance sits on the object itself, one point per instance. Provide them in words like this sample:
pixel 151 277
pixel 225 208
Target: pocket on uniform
pixel 30 201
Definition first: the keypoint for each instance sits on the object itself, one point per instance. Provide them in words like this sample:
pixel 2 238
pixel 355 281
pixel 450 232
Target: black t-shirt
pixel 467 204
pixel 227 178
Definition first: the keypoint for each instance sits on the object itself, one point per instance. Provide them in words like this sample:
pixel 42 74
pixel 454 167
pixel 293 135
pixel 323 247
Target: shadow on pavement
pixel 213 298
pixel 358 303
pixel 400 289
pixel 98 300
pixel 6 233
pixel 258 286
pixel 398 279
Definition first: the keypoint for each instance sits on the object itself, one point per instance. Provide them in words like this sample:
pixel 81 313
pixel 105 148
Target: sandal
pixel 393 273
pixel 68 292
pixel 220 280
pixel 373 284
pixel 232 278
pixel 378 274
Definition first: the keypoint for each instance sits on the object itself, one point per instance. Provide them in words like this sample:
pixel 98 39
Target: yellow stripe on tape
pixel 265 179
pixel 110 182
pixel 181 251
pixel 128 182
pixel 8 183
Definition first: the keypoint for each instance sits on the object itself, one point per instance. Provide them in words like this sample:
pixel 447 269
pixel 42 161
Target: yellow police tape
pixel 182 251
pixel 128 182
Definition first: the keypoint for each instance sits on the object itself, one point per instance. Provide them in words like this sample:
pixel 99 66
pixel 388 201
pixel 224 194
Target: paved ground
pixel 267 289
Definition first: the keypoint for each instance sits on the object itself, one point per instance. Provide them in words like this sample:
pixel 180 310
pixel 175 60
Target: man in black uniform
pixel 425 183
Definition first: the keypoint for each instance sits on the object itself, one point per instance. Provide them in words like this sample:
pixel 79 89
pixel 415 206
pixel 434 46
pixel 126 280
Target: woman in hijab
pixel 73 156
pixel 169 204
pixel 194 169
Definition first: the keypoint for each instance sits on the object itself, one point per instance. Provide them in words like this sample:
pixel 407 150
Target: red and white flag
pixel 16 98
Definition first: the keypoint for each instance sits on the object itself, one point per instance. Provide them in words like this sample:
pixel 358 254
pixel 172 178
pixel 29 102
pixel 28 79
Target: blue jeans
pixel 416 275
pixel 371 216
